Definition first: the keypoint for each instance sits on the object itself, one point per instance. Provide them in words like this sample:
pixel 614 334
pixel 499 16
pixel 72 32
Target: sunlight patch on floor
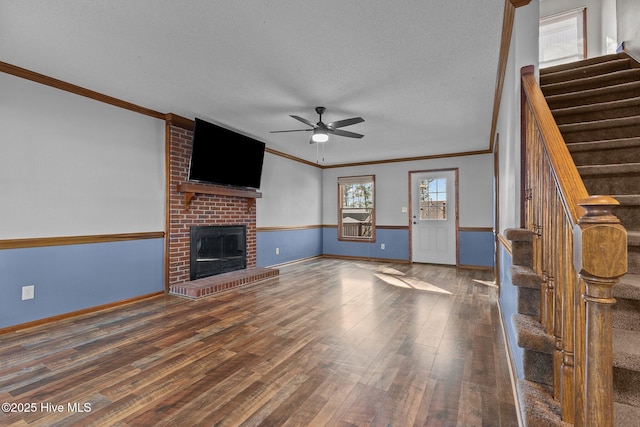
pixel 410 283
pixel 382 269
pixel 486 282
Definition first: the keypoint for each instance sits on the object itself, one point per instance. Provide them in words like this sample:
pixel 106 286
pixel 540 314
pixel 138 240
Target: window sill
pixel 358 240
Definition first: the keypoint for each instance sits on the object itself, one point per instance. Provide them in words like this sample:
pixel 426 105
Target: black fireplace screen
pixel 217 249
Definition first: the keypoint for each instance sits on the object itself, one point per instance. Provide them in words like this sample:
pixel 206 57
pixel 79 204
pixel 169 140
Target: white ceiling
pixel 421 73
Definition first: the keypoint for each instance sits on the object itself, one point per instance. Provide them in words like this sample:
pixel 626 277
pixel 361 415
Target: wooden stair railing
pixel 579 251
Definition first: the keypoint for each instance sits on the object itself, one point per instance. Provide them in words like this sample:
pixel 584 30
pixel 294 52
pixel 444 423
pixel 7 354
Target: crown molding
pixel 78 90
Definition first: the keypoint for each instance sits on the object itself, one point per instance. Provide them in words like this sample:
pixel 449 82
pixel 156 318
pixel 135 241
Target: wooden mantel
pixel 190 189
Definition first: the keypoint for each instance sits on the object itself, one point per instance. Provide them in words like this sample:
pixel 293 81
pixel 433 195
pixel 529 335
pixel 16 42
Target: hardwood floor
pixel 331 342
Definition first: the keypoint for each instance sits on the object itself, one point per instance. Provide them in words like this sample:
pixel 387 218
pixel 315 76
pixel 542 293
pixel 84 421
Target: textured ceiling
pixel 421 73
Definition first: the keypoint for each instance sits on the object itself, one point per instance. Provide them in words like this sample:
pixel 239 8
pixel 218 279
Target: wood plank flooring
pixel 328 343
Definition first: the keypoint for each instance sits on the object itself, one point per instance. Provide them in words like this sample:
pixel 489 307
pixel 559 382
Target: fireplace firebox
pixel 217 249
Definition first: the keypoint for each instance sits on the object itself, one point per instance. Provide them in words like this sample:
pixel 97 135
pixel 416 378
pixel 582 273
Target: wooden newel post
pixel 600 258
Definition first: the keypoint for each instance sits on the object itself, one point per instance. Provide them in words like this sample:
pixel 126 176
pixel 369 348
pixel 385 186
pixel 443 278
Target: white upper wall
pixel 392 189
pixel 599 24
pixel 291 193
pixel 628 14
pixel 296 194
pixel 523 51
pixel 73 166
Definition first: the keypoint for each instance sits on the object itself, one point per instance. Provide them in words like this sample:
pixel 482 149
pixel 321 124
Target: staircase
pixel 596 104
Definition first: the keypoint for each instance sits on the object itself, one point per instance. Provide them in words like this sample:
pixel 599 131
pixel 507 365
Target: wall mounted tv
pixel 222 156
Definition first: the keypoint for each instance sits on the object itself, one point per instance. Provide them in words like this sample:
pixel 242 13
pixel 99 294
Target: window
pixel 356 208
pixel 562 38
pixel 433 199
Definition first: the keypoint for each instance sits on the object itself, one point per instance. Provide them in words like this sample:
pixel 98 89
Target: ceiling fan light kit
pixel 321 130
pixel 319 135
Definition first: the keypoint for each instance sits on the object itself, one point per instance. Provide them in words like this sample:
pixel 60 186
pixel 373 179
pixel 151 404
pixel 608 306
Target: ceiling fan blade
pixel 292 130
pixel 345 122
pixel 305 121
pixel 345 133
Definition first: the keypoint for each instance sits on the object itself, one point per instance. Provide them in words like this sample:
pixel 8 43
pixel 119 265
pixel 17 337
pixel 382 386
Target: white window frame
pixel 433 209
pixel 555 47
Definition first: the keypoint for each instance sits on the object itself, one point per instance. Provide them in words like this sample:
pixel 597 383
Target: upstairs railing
pixel 579 252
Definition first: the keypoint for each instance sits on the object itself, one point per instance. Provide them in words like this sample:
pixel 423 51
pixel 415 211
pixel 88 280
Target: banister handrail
pixel 569 181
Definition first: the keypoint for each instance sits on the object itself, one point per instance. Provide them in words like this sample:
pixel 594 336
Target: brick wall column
pixel 204 209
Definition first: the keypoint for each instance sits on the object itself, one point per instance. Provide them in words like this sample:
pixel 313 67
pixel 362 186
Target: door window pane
pixel 433 199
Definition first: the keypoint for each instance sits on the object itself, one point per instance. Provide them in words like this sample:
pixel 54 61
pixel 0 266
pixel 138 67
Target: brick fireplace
pixel 201 210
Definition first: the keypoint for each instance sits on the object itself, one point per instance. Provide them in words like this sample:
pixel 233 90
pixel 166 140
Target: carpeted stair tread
pixel 626 314
pixel 626 311
pixel 619 169
pixel 531 334
pixel 594 96
pixel 550 78
pixel 628 212
pixel 607 144
pixel 540 409
pixel 525 277
pixel 626 349
pixel 628 287
pixel 622 150
pixel 628 199
pixel 626 387
pixel 623 127
pixel 633 245
pixel 597 111
pixel 598 106
pixel 591 82
pixel 520 245
pixel 612 179
pixel 626 366
pixel 582 63
pixel 600 124
pixel 519 234
pixel 625 415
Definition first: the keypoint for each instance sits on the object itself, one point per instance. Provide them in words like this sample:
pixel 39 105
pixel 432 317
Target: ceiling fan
pixel 322 130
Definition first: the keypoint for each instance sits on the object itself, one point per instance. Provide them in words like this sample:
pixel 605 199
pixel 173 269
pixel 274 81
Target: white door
pixel 433 212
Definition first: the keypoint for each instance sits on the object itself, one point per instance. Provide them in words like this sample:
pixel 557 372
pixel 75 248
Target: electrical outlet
pixel 28 292
pixel 405 209
pixel 382 246
pixel 277 251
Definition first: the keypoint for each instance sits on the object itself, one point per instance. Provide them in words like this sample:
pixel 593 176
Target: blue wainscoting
pixel 292 244
pixel 75 277
pixel 508 307
pixel 476 248
pixel 396 242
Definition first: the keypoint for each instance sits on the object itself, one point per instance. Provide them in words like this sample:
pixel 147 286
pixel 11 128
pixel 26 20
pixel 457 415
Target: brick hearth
pixel 222 282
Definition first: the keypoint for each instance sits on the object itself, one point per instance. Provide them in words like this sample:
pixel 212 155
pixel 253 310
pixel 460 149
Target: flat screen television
pixel 222 156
